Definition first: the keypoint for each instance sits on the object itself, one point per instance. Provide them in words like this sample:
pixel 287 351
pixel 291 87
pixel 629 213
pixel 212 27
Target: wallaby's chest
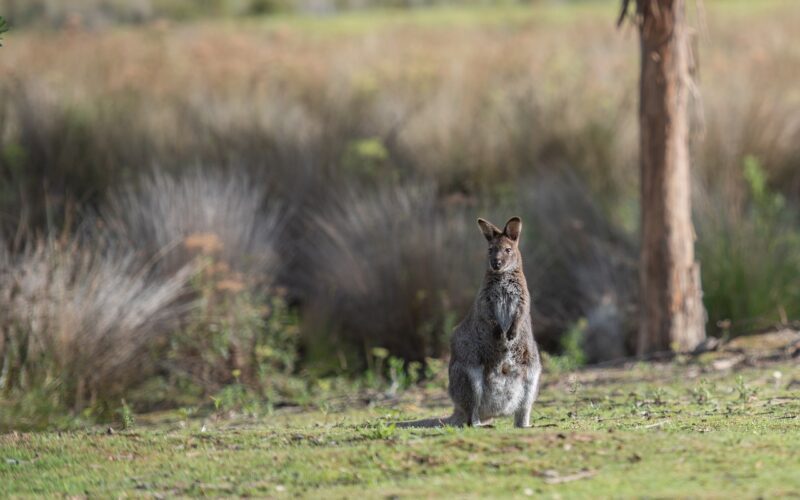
pixel 503 301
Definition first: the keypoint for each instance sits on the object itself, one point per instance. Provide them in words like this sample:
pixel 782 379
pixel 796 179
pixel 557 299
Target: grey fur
pixel 495 366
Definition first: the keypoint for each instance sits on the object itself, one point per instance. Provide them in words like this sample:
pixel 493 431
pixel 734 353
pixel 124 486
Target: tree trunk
pixel 672 313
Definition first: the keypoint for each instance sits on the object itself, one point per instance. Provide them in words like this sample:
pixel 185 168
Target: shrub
pixel 234 336
pixel 92 13
pixel 79 324
pixel 750 256
pixel 581 266
pixel 224 222
pixel 390 268
pixel 175 278
pixel 223 215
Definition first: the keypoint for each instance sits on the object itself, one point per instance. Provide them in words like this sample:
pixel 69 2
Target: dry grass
pixel 389 269
pixel 173 277
pixel 79 324
pixel 222 214
pixel 581 266
pixel 473 107
pixel 227 224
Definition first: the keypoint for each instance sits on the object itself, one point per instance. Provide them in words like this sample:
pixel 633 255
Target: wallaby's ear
pixel 513 228
pixel 489 230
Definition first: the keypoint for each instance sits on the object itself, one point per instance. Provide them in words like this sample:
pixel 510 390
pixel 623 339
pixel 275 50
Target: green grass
pixel 655 430
pixel 466 16
pixel 375 20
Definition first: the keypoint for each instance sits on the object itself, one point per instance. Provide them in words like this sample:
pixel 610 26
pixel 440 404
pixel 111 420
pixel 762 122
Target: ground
pixel 726 423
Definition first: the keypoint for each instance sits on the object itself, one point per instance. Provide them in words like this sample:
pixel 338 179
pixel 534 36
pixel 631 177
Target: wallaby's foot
pixel 475 421
pixel 522 419
pixel 485 423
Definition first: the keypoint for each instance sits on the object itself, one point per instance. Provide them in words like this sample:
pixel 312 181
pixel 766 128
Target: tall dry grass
pixel 230 226
pixel 582 266
pixel 392 268
pixel 172 279
pixel 473 107
pixel 80 324
pixel 222 214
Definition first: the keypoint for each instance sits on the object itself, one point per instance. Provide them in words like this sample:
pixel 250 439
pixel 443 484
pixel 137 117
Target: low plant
pixel 234 337
pixel 572 355
pixel 126 417
pixel 750 256
pixel 3 29
pixel 382 431
pixel 744 391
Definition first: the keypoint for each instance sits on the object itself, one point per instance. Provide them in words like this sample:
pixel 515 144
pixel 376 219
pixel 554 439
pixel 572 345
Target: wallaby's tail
pixel 427 423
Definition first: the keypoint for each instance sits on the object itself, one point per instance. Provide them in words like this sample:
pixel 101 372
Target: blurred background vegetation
pixel 246 200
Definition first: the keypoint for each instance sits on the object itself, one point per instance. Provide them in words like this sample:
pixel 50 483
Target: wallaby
pixel 494 364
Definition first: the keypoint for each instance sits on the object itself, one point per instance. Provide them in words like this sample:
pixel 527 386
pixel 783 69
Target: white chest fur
pixel 502 389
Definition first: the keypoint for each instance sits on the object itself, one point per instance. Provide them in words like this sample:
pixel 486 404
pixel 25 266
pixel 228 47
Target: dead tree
pixel 672 315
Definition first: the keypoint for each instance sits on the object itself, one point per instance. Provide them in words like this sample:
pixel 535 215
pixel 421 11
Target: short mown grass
pixel 661 430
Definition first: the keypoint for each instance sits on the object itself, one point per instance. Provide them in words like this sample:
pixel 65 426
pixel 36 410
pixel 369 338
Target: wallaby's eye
pixel 508 250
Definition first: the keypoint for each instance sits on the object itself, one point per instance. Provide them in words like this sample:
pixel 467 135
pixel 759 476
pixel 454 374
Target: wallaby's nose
pixel 495 264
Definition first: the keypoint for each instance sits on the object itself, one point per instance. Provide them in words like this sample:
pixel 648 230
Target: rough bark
pixel 672 313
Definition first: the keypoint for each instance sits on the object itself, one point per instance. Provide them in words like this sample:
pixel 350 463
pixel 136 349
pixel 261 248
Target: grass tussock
pixel 223 222
pixel 79 325
pixel 174 281
pixel 583 268
pixel 222 215
pixel 389 269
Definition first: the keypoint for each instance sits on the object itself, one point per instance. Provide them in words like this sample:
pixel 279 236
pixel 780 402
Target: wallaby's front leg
pixel 511 333
pixel 522 417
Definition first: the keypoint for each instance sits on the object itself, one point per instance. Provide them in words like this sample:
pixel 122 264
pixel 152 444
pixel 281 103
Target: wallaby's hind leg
pixel 522 417
pixel 466 390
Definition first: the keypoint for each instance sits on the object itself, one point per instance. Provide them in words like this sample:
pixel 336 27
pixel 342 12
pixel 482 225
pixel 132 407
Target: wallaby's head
pixel 504 253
